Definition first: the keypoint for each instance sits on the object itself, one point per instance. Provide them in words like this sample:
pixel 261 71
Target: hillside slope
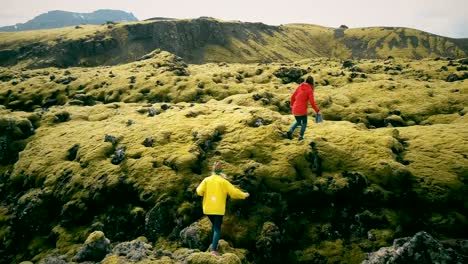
pixel 209 40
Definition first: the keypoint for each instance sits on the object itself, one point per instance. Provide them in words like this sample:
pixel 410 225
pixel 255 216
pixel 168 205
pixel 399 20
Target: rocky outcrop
pixel 421 248
pixel 186 38
pixel 160 219
pixel 288 75
pixel 95 248
pixel 197 235
pixel 51 259
pixel 209 40
pixel 268 243
pixel 13 132
pixel 134 251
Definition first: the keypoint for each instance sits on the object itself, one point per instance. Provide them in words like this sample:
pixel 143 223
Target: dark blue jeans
pixel 216 221
pixel 300 121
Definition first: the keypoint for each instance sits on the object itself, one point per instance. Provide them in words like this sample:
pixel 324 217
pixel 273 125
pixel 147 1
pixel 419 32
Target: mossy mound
pixel 388 161
pixel 395 92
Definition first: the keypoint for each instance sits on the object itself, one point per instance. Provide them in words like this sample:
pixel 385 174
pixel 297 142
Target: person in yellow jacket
pixel 214 190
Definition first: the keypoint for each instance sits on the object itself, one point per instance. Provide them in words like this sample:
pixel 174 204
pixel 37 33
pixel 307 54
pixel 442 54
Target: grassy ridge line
pixel 209 40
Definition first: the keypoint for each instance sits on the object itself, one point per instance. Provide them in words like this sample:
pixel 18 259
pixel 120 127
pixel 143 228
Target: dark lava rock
pixel 130 122
pixel 268 243
pixel 134 251
pixel 452 77
pixel 348 64
pixel 464 61
pixel 33 211
pixel 160 220
pixel 197 235
pixel 119 156
pixel 288 75
pixel 148 142
pixel 422 248
pixel 258 122
pixel 153 112
pixel 110 138
pixel 72 152
pixel 12 132
pixel 394 121
pixel 85 99
pixel 61 117
pixel 4 147
pixel 95 248
pixel 53 259
pixel 66 80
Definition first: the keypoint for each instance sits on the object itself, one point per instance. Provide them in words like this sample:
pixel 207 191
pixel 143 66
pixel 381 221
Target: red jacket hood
pixel 305 86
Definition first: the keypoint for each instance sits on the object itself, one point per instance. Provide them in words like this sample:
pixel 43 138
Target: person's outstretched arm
pixel 235 193
pixel 312 101
pixel 201 188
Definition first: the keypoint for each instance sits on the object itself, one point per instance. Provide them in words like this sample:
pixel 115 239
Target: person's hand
pixel 318 118
pixel 247 194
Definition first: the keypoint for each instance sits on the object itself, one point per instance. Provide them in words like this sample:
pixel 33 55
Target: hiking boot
pixel 289 135
pixel 215 253
pixel 300 139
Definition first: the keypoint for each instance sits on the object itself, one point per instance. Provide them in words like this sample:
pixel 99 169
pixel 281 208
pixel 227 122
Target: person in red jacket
pixel 304 93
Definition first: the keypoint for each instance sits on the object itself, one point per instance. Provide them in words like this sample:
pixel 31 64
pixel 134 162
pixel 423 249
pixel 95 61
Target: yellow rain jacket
pixel 214 190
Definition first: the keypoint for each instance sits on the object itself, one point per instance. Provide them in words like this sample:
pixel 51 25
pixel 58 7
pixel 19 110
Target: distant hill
pixel 210 40
pixel 58 19
pixel 160 18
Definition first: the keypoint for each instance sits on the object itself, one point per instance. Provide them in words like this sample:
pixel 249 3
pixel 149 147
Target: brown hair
pixel 217 166
pixel 310 80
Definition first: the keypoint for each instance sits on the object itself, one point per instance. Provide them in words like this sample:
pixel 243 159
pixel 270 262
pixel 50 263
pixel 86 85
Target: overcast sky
pixel 446 17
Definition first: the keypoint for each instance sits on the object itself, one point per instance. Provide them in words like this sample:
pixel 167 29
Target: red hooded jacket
pixel 304 92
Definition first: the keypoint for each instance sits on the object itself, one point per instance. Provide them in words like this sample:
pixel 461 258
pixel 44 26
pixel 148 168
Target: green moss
pixel 202 257
pixel 332 252
pixel 197 125
pixel 381 238
pixel 354 254
pixel 69 240
pixel 5 214
pixel 113 259
pixel 38 247
pixel 238 230
pixel 329 251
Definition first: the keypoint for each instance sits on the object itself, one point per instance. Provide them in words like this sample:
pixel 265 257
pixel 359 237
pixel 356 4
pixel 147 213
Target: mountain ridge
pixel 60 18
pixel 206 39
